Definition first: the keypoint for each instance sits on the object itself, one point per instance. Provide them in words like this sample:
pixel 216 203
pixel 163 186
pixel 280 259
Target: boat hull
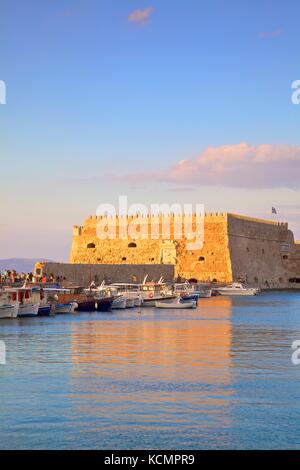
pixel 150 302
pixel 8 311
pixel 104 305
pixel 44 310
pixel 86 306
pixel 28 310
pixel 177 305
pixel 65 308
pixel 119 303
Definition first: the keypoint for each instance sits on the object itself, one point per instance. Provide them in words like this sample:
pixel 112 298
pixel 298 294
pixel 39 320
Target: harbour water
pixel 219 377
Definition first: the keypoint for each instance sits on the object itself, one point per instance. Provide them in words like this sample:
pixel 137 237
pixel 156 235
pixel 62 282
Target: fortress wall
pixel 211 262
pixel 208 263
pixel 260 251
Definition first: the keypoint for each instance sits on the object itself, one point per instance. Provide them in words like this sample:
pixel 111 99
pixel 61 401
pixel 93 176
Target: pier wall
pixel 84 274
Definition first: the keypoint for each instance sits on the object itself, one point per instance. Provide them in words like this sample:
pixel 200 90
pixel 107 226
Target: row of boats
pixel 34 300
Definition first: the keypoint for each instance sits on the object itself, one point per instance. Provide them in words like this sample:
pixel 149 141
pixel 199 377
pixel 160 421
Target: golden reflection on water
pixel 182 347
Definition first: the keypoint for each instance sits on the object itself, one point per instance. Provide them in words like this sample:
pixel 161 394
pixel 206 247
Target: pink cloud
pixel 140 16
pixel 271 34
pixel 238 165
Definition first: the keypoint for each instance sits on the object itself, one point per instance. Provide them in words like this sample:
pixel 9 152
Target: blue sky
pixel 101 103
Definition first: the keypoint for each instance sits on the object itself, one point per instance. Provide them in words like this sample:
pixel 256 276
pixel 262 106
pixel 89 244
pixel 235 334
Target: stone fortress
pixel 257 252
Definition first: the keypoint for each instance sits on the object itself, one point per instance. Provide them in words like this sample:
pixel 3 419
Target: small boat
pixel 9 310
pixel 65 308
pixel 176 305
pixel 189 298
pixel 28 309
pixel 236 288
pixel 119 302
pixel 44 310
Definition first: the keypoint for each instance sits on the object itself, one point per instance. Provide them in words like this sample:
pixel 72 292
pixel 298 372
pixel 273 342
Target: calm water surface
pixel 219 377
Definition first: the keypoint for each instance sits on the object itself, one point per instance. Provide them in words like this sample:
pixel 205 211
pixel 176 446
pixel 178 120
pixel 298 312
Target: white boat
pixel 130 303
pixel 28 309
pixel 236 288
pixel 9 310
pixel 176 305
pixel 65 308
pixel 119 302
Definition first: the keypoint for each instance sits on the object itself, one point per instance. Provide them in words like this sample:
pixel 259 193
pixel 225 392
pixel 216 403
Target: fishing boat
pixel 9 310
pixel 65 308
pixel 237 288
pixel 131 292
pixel 119 302
pixel 176 305
pixel 198 290
pixel 27 299
pixel 28 309
pixel 44 310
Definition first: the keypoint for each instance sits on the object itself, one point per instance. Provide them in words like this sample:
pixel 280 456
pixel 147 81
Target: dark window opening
pixel 91 245
pixel 193 280
pixel 294 280
pixel 124 258
pixel 285 257
pixel 131 245
pixel 201 258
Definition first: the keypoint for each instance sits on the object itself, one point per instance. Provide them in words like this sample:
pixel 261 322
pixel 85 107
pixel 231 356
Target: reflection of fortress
pixel 260 252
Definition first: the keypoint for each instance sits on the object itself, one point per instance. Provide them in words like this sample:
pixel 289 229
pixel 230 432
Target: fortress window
pixel 193 281
pixel 124 258
pixel 280 279
pixel 248 249
pixel 91 245
pixel 263 251
pixel 215 280
pixel 201 258
pixel 152 259
pixel 285 257
pixel 295 279
pixel 131 245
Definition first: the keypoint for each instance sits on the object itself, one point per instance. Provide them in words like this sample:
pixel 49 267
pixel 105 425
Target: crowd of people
pixel 12 277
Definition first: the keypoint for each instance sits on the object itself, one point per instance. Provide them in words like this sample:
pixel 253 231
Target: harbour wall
pixel 84 274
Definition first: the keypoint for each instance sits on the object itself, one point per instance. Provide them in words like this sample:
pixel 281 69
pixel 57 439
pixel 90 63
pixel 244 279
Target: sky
pixel 163 101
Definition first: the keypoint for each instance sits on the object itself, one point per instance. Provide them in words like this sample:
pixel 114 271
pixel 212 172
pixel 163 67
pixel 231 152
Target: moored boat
pixel 119 302
pixel 28 309
pixel 176 305
pixel 9 311
pixel 104 304
pixel 44 310
pixel 236 288
pixel 65 308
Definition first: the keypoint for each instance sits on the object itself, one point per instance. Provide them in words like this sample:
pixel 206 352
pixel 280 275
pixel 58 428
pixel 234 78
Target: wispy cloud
pixel 271 34
pixel 140 16
pixel 240 165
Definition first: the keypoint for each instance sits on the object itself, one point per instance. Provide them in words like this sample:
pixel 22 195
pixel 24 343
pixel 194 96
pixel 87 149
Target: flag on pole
pixel 274 211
